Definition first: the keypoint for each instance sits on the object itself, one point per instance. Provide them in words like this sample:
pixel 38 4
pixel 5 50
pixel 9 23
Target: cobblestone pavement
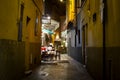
pixel 65 69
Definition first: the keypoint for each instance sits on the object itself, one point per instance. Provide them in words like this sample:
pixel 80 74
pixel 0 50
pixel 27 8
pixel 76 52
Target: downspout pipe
pixel 76 25
pixel 104 38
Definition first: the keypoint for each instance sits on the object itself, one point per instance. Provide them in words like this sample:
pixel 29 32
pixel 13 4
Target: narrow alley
pixel 59 39
pixel 64 69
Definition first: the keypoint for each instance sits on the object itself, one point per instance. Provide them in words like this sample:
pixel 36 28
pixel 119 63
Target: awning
pixel 47 31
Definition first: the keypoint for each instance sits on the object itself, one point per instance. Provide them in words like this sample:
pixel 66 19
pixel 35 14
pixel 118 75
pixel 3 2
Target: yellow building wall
pixel 8 19
pixel 97 59
pixel 23 55
pixel 94 48
pixel 93 37
pixel 112 25
pixel 10 30
pixel 12 52
pixel 112 40
pixel 94 28
pixel 70 10
pixel 32 41
pixel 30 11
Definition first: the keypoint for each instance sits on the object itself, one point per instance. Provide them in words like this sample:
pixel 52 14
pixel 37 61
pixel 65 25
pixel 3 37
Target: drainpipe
pixel 104 39
pixel 75 23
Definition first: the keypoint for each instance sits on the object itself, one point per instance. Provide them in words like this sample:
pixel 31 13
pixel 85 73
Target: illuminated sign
pixel 46 20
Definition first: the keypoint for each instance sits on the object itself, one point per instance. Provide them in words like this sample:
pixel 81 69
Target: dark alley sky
pixel 55 8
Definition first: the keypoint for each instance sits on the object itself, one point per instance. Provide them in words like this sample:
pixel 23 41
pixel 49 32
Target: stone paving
pixel 64 69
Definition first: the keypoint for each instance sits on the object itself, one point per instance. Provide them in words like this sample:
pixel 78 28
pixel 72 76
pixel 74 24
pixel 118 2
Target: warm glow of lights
pixel 48 17
pixel 64 41
pixel 51 44
pixel 66 44
pixel 61 0
pixel 57 37
pixel 61 45
pixel 71 10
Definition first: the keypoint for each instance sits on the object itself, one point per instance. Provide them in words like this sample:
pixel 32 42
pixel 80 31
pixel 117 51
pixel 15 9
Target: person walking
pixel 58 53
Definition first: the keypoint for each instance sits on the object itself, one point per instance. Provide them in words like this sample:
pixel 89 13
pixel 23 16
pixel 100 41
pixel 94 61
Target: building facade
pixel 96 34
pixel 20 30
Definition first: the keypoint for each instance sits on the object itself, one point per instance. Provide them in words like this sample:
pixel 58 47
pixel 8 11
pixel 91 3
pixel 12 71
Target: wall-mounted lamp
pixel 61 0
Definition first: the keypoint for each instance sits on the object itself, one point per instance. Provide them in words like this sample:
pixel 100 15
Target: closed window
pixel 20 23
